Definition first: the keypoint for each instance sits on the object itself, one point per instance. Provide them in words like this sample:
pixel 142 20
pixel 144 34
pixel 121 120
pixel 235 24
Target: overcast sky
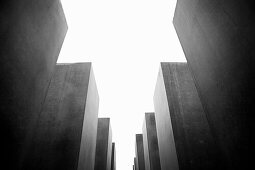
pixel 125 40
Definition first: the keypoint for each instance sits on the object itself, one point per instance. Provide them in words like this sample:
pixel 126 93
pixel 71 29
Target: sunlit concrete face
pixel 185 138
pixel 65 133
pixel 150 143
pixel 103 145
pixel 139 151
pixel 31 36
pixel 218 41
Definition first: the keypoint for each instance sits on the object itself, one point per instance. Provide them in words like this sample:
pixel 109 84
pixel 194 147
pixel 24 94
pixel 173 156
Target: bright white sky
pixel 125 40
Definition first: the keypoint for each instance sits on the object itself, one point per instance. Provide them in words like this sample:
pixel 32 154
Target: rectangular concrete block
pixel 113 159
pixel 103 145
pixel 150 143
pixel 184 136
pixel 31 36
pixel 66 130
pixel 218 41
pixel 139 151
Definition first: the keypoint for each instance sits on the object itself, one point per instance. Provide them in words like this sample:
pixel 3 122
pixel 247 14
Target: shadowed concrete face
pixel 185 139
pixel 103 145
pixel 31 36
pixel 150 143
pixel 65 135
pixel 139 152
pixel 218 41
pixel 113 159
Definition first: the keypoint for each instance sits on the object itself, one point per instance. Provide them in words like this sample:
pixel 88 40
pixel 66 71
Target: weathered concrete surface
pixel 103 145
pixel 31 36
pixel 218 41
pixel 139 151
pixel 150 143
pixel 113 159
pixel 65 135
pixel 185 138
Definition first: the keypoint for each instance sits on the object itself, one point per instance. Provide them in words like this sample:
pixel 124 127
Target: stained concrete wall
pixel 65 135
pixel 218 41
pixel 185 138
pixel 139 151
pixel 31 36
pixel 103 145
pixel 113 159
pixel 150 143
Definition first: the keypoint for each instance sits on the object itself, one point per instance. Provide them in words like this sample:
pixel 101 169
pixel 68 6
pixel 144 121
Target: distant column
pixel 136 163
pixel 139 151
pixel 218 41
pixel 113 159
pixel 103 145
pixel 150 143
pixel 31 36
pixel 185 138
pixel 65 135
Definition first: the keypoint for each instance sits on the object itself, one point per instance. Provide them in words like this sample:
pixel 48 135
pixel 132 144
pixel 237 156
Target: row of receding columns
pixel 49 112
pixel 203 107
pixel 177 135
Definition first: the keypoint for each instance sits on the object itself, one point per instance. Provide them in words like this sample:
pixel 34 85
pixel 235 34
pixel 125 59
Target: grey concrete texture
pixel 218 41
pixel 150 143
pixel 31 36
pixel 185 138
pixel 139 151
pixel 103 145
pixel 66 130
pixel 113 159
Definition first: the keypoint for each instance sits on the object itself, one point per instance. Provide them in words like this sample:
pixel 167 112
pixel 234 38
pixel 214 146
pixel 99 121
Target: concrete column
pixel 139 151
pixel 150 143
pixel 185 138
pixel 113 159
pixel 103 145
pixel 135 163
pixel 65 135
pixel 31 36
pixel 218 41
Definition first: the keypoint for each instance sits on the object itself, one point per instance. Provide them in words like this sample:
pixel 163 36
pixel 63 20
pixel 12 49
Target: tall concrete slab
pixel 103 145
pixel 31 36
pixel 113 159
pixel 218 41
pixel 150 143
pixel 184 135
pixel 65 135
pixel 139 151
